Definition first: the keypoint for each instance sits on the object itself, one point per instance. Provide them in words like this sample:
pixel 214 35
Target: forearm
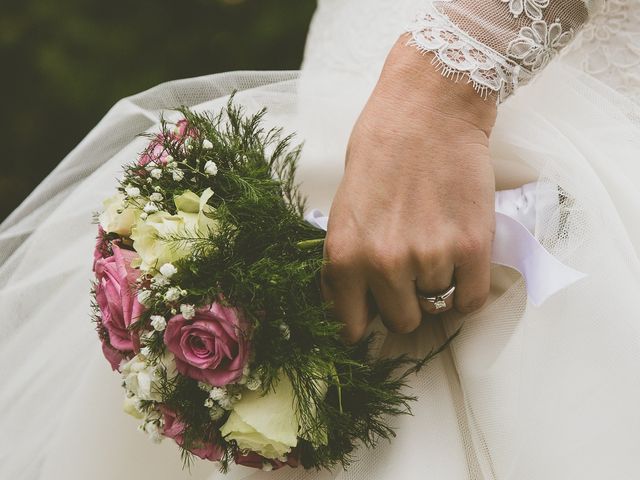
pixel 409 76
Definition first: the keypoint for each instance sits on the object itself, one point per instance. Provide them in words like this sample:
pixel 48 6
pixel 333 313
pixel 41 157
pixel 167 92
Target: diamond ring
pixel 438 301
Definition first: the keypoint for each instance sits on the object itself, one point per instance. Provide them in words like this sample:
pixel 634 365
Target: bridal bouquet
pixel 206 300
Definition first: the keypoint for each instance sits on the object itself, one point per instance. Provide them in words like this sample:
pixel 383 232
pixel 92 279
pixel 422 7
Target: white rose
pixel 192 219
pixel 266 424
pixel 116 218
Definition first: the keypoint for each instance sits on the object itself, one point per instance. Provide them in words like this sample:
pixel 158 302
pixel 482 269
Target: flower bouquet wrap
pixel 207 302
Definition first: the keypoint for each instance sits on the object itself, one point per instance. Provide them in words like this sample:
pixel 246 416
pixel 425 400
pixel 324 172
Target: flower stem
pixel 309 244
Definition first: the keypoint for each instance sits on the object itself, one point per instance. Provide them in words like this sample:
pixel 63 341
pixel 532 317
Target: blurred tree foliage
pixel 65 62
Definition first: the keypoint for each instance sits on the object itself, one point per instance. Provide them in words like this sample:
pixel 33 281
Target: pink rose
pixel 156 152
pixel 114 356
pixel 210 347
pixel 174 429
pixel 116 297
pixel 184 130
pixel 253 460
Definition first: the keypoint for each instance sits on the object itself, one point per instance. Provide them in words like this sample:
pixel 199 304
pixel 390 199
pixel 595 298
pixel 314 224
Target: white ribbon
pixel 514 245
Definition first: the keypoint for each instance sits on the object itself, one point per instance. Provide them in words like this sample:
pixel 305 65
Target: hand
pixel 415 208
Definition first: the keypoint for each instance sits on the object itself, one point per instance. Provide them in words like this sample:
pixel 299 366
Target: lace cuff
pixel 500 44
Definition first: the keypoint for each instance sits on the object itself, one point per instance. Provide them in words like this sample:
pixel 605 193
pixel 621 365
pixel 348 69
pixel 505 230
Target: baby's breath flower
pixel 267 467
pixel 156 173
pixel 210 168
pixel 158 322
pixel 156 197
pixel 144 296
pixel 206 144
pixel 173 294
pixel 168 270
pixel 226 403
pixel 169 159
pixel 132 192
pixel 178 175
pixel 160 280
pixel 218 393
pixel 188 311
pixel 209 403
pixel 151 428
pixel 150 207
pixel 253 383
pixel 285 330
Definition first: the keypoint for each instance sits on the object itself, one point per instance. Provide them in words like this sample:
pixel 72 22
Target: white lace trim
pixel 537 44
pixel 531 8
pixel 458 55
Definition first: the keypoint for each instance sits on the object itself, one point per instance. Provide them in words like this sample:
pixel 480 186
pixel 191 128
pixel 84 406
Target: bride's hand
pixel 415 209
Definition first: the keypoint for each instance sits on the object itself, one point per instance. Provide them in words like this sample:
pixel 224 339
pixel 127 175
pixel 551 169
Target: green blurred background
pixel 65 62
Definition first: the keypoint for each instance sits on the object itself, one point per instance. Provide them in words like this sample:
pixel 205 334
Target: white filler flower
pixel 132 192
pixel 158 322
pixel 173 294
pixel 188 311
pixel 168 270
pixel 210 168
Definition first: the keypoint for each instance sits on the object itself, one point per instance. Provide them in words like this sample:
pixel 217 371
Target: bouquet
pixel 207 302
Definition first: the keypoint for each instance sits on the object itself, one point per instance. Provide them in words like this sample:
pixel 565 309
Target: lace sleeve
pixel 498 44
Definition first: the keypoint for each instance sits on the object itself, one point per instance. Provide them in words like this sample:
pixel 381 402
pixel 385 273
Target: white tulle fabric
pixel 525 393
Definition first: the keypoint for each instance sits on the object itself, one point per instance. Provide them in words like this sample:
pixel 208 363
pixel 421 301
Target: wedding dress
pixel 524 393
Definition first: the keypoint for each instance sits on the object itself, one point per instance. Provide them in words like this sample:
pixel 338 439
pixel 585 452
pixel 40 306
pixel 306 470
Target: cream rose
pixel 193 218
pixel 267 425
pixel 116 218
pixel 195 212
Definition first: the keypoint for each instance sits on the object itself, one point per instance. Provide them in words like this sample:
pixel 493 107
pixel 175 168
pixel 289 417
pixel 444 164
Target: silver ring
pixel 438 301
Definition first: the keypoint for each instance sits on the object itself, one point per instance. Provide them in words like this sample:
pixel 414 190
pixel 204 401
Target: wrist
pixel 411 76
